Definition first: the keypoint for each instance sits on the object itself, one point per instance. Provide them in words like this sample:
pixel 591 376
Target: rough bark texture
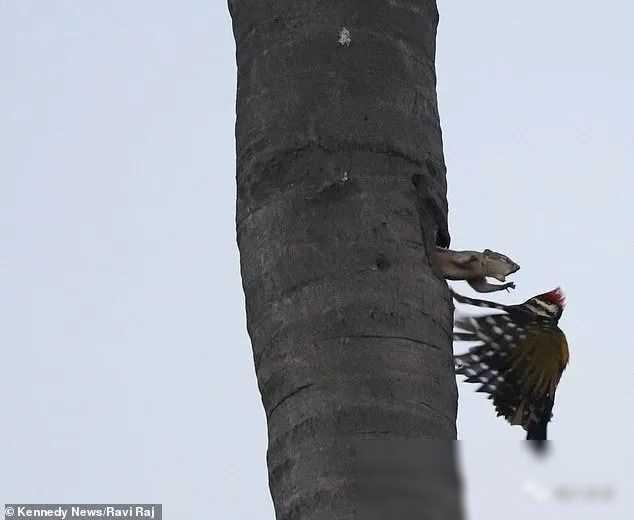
pixel 341 199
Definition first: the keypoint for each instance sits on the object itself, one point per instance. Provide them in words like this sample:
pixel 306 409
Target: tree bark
pixel 341 199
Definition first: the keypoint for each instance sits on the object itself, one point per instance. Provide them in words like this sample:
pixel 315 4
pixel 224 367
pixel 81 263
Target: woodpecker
pixel 520 356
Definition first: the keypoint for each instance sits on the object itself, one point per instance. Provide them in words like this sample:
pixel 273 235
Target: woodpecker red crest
pixel 519 358
pixel 555 296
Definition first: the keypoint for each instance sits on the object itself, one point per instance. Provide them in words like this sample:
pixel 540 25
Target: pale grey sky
pixel 123 344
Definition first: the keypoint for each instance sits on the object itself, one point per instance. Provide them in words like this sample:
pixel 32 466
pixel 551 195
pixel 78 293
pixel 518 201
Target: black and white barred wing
pixel 516 359
pixel 488 362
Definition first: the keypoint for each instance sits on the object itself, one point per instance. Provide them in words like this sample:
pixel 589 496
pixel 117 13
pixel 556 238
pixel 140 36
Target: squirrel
pixel 474 267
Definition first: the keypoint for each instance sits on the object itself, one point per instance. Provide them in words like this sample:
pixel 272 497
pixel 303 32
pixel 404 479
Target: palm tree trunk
pixel 341 198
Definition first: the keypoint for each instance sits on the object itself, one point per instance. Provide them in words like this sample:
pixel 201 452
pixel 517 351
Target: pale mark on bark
pixel 344 37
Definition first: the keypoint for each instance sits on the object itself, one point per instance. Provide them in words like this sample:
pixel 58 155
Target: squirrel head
pixel 498 266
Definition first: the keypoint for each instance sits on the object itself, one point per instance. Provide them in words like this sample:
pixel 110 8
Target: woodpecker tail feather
pixel 537 436
pixel 536 432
